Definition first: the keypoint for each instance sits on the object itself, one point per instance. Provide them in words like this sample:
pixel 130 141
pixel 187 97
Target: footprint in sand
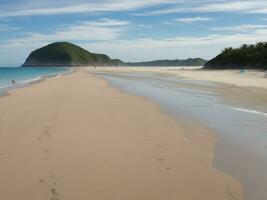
pixel 46 150
pixel 53 190
pixel 168 168
pixel 52 184
pixel 47 129
pixel 46 133
pixel 41 180
pixel 160 160
pixel 54 194
pixel 228 190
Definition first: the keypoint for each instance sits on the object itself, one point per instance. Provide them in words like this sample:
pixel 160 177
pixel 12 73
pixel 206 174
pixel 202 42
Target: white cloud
pixel 231 6
pixel 173 48
pixel 50 7
pixel 99 30
pixel 5 28
pixel 109 22
pixel 190 20
pixel 241 28
pixel 248 6
pixel 62 7
pixel 260 11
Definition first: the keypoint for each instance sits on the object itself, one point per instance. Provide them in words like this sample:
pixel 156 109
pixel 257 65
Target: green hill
pixel 244 57
pixel 64 54
pixel 186 62
pixel 67 55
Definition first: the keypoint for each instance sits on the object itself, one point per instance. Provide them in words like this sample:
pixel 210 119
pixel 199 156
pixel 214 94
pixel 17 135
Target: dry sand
pixel 249 78
pixel 235 77
pixel 76 138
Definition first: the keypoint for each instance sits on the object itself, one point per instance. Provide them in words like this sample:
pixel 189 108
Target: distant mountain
pixel 186 62
pixel 67 55
pixel 244 57
pixel 64 54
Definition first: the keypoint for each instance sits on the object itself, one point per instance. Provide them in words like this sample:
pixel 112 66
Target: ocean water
pixel 241 149
pixel 25 76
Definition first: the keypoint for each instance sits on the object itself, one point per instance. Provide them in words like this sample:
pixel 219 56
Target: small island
pixel 64 54
pixel 244 57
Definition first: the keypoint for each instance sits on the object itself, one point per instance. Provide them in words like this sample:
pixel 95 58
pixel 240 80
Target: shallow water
pixel 26 75
pixel 241 149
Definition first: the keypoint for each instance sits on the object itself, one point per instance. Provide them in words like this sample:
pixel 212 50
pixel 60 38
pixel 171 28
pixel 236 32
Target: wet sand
pixel 75 137
pixel 250 78
pixel 248 89
pixel 236 113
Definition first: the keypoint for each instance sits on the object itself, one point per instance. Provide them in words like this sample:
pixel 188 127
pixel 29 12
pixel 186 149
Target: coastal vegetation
pixel 244 57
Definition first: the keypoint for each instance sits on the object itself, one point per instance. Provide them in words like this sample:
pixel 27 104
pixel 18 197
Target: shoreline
pixel 251 78
pixel 237 88
pixel 226 93
pixel 4 90
pixel 135 149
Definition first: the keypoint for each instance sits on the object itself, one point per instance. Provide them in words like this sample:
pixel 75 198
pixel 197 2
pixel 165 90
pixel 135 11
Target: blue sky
pixel 136 30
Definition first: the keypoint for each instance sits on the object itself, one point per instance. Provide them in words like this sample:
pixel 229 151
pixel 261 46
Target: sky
pixel 136 30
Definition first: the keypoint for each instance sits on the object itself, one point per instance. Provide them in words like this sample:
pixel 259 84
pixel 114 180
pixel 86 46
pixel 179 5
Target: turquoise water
pixel 24 76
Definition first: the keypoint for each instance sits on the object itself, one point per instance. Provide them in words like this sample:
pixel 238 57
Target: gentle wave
pixel 33 80
pixel 4 89
pixel 26 82
pixel 248 111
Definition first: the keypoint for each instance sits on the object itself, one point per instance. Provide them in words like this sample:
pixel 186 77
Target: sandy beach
pixel 75 137
pixel 235 77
